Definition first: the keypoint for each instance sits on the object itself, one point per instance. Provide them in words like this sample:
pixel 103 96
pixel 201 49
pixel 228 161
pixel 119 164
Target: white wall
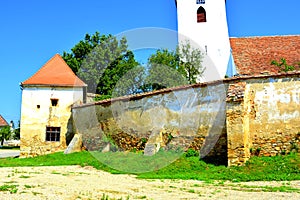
pixel 33 96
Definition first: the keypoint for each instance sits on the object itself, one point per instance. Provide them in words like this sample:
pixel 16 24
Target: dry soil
pixel 75 182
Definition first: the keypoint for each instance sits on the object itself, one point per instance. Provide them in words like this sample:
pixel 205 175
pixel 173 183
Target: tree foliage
pixel 172 68
pixel 110 69
pixel 114 72
pixel 131 83
pixel 100 61
pixel 4 133
pixel 190 61
pixel 81 50
pixel 164 71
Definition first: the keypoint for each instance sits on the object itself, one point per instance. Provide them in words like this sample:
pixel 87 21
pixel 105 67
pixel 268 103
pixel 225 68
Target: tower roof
pixel 3 122
pixel 55 72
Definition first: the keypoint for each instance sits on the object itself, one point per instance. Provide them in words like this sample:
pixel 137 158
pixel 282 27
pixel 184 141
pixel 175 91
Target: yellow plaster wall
pixel 265 121
pixel 34 120
pixel 275 117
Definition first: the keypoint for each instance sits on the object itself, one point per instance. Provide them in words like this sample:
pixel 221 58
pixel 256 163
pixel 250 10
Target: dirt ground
pixel 75 182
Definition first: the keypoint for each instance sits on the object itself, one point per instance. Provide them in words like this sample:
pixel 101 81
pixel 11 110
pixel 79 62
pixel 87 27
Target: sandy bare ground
pixel 75 182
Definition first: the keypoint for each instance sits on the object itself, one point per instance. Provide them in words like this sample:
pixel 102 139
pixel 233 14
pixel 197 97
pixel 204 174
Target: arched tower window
pixel 201 14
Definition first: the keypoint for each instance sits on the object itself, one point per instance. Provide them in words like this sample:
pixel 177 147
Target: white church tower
pixel 204 24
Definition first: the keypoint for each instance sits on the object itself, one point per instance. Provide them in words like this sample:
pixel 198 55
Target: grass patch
pixel 55 172
pixel 24 176
pixel 10 188
pixel 56 159
pixel 10 182
pixel 28 186
pixel 247 188
pixel 280 189
pixel 136 162
pixel 36 193
pixel 278 168
pixel 191 191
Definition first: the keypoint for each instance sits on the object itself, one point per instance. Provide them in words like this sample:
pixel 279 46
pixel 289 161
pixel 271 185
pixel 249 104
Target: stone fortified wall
pixel 229 120
pixel 263 116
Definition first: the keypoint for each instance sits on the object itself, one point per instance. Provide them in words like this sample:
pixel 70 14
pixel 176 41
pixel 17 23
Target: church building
pixel 48 96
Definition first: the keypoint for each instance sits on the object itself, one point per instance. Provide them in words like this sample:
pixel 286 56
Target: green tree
pixel 100 61
pixel 172 68
pixel 163 71
pixel 4 134
pixel 113 73
pixel 131 82
pixel 190 61
pixel 165 57
pixel 81 50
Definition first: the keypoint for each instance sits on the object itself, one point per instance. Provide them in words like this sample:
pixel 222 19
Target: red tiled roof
pixel 3 122
pixel 55 72
pixel 253 55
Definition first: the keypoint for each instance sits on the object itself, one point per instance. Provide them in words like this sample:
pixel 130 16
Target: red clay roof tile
pixel 55 72
pixel 3 122
pixel 253 55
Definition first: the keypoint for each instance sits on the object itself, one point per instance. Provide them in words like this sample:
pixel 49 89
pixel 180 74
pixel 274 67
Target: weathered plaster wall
pixel 233 120
pixel 275 116
pixel 263 117
pixel 34 120
pixel 176 119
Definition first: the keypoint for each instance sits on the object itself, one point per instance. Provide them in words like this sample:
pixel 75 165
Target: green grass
pixel 136 162
pixel 24 176
pixel 10 188
pixel 56 159
pixel 28 186
pixel 268 188
pixel 278 168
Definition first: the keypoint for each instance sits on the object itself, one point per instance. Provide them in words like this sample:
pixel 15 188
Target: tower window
pixel 201 15
pixel 200 1
pixel 52 134
pixel 54 102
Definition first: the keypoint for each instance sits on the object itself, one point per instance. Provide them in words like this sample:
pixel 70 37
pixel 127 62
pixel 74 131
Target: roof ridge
pixel 38 71
pixel 54 72
pixel 68 67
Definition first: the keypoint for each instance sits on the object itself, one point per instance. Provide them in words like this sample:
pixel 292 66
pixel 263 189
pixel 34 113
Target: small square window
pixel 52 134
pixel 54 102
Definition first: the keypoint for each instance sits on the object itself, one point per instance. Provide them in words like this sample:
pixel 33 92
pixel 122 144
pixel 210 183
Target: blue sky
pixel 33 31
